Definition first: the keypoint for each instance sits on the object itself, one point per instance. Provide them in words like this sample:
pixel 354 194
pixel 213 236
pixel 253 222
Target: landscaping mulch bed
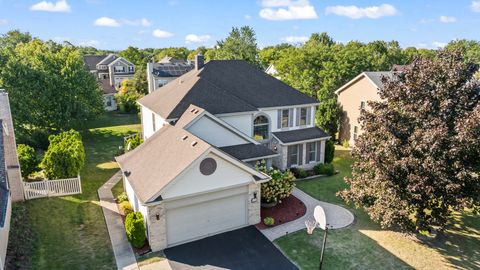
pixel 290 209
pixel 137 251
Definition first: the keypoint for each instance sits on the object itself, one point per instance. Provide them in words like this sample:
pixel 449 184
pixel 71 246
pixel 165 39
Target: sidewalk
pixel 337 216
pixel 121 247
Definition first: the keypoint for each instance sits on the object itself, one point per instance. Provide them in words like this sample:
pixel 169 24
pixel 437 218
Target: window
pixel 294 155
pixel 260 128
pixel 109 101
pixel 355 133
pixel 153 122
pixel 285 118
pixel 161 83
pixel 311 152
pixel 362 105
pixel 119 69
pixel 302 117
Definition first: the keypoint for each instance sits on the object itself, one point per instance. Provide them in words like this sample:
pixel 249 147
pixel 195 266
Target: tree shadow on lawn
pixel 460 244
pixel 459 248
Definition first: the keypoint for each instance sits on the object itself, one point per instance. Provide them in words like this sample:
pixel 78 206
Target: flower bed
pixel 290 209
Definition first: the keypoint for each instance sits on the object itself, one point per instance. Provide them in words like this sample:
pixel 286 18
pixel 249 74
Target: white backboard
pixel 320 217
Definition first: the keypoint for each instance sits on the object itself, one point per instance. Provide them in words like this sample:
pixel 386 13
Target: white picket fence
pixel 52 188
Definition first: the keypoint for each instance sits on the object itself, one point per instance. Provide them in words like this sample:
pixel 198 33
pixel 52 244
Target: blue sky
pixel 109 24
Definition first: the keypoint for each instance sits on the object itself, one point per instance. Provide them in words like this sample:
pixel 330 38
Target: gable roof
pixel 223 86
pixel 375 77
pixel 193 113
pixel 165 155
pixel 91 61
pixel 159 159
pixel 107 88
pixel 108 59
pixel 120 59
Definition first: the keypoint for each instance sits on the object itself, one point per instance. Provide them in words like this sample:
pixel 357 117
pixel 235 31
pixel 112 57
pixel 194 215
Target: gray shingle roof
pixel 91 61
pixel 299 135
pixel 376 77
pixel 223 86
pixel 248 151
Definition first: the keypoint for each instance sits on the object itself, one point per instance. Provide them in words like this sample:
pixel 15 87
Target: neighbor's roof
pixel 248 151
pixel 91 61
pixel 299 135
pixel 107 88
pixel 374 76
pixel 171 69
pixel 158 160
pixel 223 86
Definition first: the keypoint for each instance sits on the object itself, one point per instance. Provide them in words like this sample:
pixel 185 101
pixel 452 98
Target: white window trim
pixel 316 144
pixel 288 118
pixel 298 156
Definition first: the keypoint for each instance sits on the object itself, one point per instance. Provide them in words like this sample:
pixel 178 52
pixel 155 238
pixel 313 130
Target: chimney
pixel 199 61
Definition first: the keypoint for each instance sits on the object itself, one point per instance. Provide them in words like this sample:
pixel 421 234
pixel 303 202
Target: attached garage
pixel 190 219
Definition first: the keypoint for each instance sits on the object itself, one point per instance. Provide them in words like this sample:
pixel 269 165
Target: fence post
pixel 80 184
pixel 47 185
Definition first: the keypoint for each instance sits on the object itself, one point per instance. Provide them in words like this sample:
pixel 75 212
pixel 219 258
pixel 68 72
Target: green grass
pixel 117 189
pixel 70 232
pixel 364 245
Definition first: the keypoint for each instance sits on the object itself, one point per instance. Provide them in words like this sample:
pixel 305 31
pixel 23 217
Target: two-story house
pixel 110 70
pixel 353 97
pixel 165 71
pixel 195 174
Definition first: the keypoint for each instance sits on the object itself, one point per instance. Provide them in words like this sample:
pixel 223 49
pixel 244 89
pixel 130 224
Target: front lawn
pixel 70 232
pixel 364 245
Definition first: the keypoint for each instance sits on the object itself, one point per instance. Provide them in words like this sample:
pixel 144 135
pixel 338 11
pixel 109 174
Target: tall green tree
pixel 49 87
pixel 241 44
pixel 418 158
pixel 175 52
pixel 135 56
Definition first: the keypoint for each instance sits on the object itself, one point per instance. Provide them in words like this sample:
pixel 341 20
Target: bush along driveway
pixel 364 245
pixel 69 232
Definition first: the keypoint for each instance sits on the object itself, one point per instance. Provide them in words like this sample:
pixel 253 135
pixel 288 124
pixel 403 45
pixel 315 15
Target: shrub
pixel 329 151
pixel 345 144
pixel 127 97
pixel 269 221
pixel 28 159
pixel 299 172
pixel 133 141
pixel 326 169
pixel 65 156
pixel 279 187
pixel 126 207
pixel 135 229
pixel 122 197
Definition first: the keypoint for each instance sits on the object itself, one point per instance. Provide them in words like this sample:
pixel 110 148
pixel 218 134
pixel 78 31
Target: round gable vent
pixel 208 166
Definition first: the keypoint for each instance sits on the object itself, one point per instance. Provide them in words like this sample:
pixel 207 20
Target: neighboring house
pixel 166 70
pixel 110 70
pixel 10 176
pixel 353 97
pixel 194 176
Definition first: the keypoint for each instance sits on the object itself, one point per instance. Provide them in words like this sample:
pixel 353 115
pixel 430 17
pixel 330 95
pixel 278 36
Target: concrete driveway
pixel 244 248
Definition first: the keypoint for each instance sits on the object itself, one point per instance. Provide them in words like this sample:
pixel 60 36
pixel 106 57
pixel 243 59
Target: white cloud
pixel 142 22
pixel 247 17
pixel 354 12
pixel 89 43
pixel 295 39
pixel 106 21
pixel 161 33
pixel 475 6
pixel 437 44
pixel 279 10
pixel 192 38
pixel 3 21
pixel 59 6
pixel 447 19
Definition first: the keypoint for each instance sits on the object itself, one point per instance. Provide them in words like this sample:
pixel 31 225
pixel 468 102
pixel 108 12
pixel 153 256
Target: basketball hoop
pixel 311 224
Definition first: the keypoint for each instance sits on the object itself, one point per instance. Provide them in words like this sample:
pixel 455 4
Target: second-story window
pixel 302 116
pixel 119 69
pixel 260 128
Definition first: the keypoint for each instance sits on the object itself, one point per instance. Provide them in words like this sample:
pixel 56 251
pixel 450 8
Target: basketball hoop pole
pixel 323 246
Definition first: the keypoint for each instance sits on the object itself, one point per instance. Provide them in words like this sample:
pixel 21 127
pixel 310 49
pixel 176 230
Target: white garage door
pixel 203 219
